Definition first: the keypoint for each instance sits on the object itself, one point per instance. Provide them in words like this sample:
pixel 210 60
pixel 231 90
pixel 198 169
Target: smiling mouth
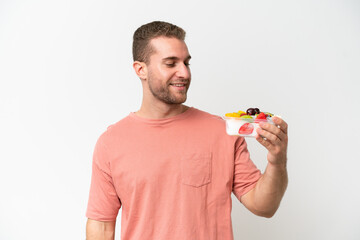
pixel 179 87
pixel 178 84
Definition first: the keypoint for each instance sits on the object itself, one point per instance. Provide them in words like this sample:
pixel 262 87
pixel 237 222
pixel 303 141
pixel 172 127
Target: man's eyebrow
pixel 176 58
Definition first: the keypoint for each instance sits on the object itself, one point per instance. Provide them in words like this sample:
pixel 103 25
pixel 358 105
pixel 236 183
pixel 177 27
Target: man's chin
pixel 178 100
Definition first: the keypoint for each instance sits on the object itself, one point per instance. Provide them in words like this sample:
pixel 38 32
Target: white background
pixel 66 74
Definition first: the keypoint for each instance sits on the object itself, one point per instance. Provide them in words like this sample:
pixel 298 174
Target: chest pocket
pixel 196 169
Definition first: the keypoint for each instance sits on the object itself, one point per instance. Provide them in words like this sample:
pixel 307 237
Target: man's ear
pixel 140 69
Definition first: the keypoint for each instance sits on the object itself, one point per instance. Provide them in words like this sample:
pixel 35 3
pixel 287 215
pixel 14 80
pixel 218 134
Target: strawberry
pixel 261 116
pixel 246 128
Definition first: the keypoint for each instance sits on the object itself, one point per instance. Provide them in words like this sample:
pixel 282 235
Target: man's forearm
pixel 97 230
pixel 270 189
pixel 265 198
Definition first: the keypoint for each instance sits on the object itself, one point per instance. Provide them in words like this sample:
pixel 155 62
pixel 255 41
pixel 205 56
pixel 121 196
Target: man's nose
pixel 183 71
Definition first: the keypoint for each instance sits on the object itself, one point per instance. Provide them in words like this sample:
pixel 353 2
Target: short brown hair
pixel 142 36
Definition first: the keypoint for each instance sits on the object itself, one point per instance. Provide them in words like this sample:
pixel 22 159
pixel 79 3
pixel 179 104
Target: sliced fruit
pixel 246 129
pixel 261 116
pixel 269 114
pixel 234 114
pixel 241 112
pixel 246 117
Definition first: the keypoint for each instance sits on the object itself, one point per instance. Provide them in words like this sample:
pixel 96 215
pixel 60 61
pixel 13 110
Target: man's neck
pixel 161 110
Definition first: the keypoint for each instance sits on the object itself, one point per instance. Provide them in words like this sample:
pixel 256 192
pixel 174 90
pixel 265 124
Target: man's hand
pixel 274 138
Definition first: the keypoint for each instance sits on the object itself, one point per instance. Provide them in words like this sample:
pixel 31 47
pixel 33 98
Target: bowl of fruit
pixel 244 124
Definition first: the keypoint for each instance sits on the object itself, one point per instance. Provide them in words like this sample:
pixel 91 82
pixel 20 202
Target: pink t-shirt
pixel 173 177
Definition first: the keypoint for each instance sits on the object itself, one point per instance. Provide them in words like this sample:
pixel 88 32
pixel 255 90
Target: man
pixel 172 168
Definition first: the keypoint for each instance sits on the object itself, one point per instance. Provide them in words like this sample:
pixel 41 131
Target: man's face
pixel 168 70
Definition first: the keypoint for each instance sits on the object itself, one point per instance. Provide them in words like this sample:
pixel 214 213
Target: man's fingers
pixel 280 123
pixel 264 142
pixel 272 132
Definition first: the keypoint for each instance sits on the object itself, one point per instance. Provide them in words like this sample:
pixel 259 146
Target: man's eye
pixel 187 64
pixel 170 64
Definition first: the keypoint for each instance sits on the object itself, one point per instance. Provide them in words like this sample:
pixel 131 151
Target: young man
pixel 172 168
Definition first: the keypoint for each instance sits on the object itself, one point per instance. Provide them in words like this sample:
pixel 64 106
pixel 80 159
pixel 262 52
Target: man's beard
pixel 164 94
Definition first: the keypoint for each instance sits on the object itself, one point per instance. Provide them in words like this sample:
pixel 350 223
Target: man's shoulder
pixel 116 128
pixel 204 120
pixel 201 114
pixel 122 123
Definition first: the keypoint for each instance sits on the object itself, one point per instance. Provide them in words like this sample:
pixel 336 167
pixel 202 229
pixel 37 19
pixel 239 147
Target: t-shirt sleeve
pixel 246 174
pixel 104 203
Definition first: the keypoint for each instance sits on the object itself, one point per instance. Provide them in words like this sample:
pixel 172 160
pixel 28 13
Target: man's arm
pixel 264 199
pixel 99 230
